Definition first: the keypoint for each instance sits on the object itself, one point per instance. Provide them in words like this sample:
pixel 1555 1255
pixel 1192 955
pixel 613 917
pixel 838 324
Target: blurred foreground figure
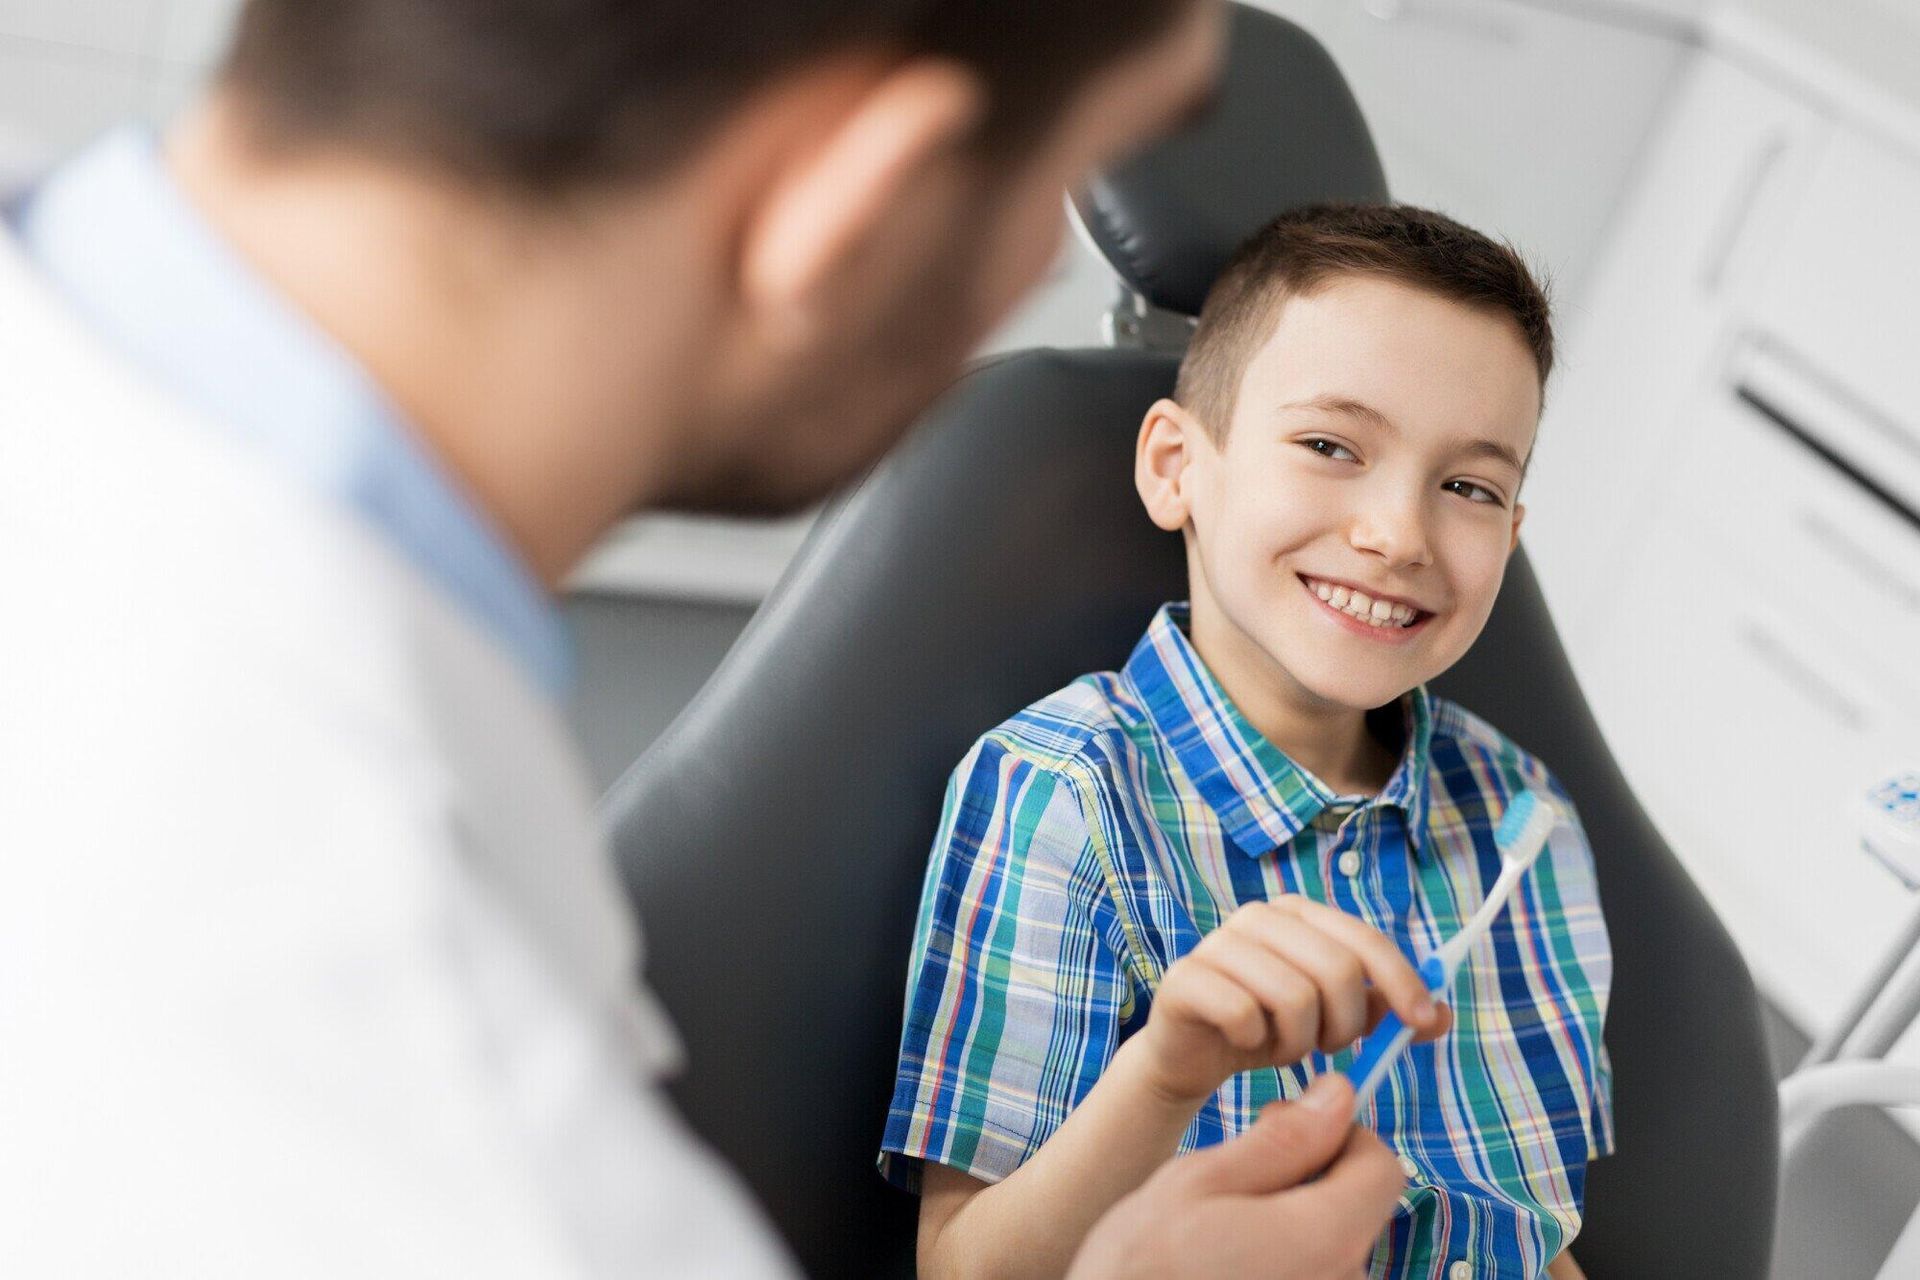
pixel 310 959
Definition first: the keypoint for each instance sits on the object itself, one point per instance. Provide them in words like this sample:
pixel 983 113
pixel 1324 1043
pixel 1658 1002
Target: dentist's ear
pixel 830 199
pixel 1519 514
pixel 1170 441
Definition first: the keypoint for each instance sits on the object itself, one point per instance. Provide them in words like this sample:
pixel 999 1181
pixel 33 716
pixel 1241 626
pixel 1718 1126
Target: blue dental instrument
pixel 1522 834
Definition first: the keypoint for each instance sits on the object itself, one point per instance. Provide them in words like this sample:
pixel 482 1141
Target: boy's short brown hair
pixel 1305 248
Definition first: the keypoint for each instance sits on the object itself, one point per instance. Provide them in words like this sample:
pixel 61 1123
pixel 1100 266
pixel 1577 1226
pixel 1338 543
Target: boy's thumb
pixel 1289 1143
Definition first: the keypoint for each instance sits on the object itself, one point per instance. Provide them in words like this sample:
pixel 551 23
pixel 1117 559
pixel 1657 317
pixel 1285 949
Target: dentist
pixel 310 958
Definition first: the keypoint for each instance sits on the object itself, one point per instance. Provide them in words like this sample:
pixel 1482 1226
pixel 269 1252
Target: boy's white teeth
pixel 1359 605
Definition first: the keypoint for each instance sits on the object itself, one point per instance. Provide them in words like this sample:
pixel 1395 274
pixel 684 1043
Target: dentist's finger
pixel 1356 1195
pixel 1363 1171
pixel 1287 1144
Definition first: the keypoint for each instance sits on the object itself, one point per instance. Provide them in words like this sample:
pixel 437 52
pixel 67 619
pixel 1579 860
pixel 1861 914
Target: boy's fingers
pixel 1338 975
pixel 1289 1143
pixel 1442 1024
pixel 1291 999
pixel 1389 971
pixel 1224 1004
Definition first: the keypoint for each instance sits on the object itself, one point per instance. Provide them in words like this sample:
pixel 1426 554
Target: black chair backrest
pixel 774 839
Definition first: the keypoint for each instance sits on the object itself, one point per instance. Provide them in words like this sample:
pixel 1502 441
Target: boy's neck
pixel 1342 751
pixel 1347 749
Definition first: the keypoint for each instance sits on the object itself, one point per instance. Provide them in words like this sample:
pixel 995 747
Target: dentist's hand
pixel 1273 983
pixel 1239 1209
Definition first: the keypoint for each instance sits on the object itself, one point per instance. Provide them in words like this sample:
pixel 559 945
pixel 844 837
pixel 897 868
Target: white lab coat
pixel 311 962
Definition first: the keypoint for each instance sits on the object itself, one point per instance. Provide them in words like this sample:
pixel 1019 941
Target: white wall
pixel 69 68
pixel 1518 116
pixel 1521 117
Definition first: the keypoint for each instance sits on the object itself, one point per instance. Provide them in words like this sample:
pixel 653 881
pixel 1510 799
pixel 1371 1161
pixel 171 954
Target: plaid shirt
pixel 1096 837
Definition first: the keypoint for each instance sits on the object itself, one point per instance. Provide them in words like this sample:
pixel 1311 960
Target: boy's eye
pixel 1330 449
pixel 1470 491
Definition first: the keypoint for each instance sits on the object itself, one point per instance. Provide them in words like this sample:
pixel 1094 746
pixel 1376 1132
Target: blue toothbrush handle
pixel 1389 1039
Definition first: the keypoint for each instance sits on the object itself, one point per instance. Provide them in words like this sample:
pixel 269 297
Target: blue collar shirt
pixel 118 240
pixel 1095 838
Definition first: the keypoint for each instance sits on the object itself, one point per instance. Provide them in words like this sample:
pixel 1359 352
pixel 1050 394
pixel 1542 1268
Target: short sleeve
pixel 1015 997
pixel 1600 1127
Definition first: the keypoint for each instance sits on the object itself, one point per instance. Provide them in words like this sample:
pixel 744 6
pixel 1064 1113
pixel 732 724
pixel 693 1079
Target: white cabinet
pixel 1710 203
pixel 1843 291
pixel 1725 509
pixel 1825 497
pixel 1748 709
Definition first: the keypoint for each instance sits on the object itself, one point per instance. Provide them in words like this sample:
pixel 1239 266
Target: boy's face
pixel 1372 466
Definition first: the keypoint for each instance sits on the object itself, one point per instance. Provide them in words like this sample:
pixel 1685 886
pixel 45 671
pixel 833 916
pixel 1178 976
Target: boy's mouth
pixel 1379 618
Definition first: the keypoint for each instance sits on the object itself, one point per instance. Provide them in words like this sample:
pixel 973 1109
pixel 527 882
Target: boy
pixel 1166 896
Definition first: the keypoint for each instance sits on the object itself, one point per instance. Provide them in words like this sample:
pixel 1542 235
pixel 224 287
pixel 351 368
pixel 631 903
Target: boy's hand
pixel 1276 981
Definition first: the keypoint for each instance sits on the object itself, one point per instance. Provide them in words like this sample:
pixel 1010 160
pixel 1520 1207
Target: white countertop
pixel 694 557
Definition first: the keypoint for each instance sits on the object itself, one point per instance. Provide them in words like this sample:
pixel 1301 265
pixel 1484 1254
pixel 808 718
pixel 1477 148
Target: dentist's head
pixel 697 253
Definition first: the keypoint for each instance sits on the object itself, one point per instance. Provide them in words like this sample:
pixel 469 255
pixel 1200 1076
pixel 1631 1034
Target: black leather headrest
pixel 1285 132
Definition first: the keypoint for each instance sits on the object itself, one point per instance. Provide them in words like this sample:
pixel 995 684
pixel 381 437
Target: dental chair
pixel 774 839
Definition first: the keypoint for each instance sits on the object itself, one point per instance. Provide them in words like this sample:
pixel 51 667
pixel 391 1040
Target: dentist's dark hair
pixel 541 95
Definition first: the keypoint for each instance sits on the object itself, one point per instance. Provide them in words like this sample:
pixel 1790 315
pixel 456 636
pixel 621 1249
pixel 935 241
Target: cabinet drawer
pixel 1842 291
pixel 1747 732
pixel 1816 500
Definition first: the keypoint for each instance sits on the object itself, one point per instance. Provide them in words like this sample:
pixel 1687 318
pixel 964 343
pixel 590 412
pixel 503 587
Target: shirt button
pixel 1460 1271
pixel 1408 1167
pixel 1349 863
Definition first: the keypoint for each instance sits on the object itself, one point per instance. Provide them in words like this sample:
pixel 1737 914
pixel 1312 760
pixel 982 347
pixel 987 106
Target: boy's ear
pixel 1170 439
pixel 827 200
pixel 1519 514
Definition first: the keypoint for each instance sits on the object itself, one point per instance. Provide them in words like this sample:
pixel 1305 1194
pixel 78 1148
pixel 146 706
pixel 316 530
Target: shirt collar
pixel 118 239
pixel 1409 787
pixel 1262 798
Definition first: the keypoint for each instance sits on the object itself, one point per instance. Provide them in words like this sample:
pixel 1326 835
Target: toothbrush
pixel 1522 834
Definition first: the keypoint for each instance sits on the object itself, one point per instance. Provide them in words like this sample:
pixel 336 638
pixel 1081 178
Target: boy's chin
pixel 1353 695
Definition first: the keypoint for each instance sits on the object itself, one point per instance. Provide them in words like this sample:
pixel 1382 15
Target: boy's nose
pixel 1397 534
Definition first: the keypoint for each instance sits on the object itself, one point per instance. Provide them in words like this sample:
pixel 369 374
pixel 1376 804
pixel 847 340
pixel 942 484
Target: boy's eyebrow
pixel 1498 452
pixel 1349 407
